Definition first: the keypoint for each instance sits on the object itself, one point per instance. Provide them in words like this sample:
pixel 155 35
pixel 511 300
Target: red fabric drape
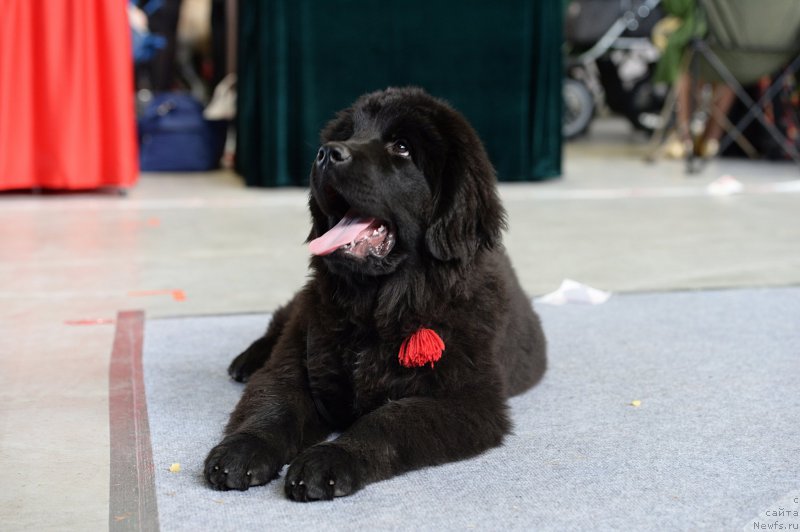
pixel 66 95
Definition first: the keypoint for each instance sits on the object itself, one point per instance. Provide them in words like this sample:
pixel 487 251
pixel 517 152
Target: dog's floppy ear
pixel 468 215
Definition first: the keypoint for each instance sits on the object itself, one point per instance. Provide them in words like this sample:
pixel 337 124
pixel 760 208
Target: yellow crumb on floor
pixel 636 402
pixel 175 468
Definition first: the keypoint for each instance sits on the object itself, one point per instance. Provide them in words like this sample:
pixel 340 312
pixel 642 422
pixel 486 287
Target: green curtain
pixel 300 61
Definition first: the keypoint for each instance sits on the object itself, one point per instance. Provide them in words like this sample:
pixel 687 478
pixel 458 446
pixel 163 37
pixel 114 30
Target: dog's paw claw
pixel 239 462
pixel 322 472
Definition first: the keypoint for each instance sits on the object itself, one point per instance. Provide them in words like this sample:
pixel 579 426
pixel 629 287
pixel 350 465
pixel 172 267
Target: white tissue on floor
pixel 574 292
pixel 724 186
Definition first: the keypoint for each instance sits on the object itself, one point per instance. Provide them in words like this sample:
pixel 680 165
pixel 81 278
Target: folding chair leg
pixel 692 166
pixel 660 134
pixel 747 100
pixel 740 140
pixel 743 122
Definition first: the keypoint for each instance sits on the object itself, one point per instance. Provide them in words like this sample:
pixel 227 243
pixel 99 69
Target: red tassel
pixel 420 348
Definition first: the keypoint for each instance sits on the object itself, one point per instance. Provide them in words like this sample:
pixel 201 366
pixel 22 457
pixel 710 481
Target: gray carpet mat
pixel 714 443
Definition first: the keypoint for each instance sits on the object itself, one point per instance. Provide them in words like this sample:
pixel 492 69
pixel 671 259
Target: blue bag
pixel 175 137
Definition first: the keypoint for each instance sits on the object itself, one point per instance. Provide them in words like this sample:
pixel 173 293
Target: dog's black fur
pixel 329 359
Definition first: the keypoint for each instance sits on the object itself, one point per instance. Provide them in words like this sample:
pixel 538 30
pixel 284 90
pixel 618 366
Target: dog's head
pixel 401 177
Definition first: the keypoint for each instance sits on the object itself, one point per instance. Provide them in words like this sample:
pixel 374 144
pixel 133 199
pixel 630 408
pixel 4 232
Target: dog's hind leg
pixel 255 356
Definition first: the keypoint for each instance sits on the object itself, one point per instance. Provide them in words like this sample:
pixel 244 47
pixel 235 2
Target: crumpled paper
pixel 573 292
pixel 725 185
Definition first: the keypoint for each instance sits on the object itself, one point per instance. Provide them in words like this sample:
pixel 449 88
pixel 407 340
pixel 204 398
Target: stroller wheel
pixel 578 108
pixel 645 105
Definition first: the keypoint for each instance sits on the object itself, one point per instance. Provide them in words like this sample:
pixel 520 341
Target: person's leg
pixel 681 141
pixel 721 103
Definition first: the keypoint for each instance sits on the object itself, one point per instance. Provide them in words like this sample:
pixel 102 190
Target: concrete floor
pixel 612 222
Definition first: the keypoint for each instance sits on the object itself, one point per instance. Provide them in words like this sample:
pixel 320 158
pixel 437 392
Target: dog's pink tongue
pixel 346 231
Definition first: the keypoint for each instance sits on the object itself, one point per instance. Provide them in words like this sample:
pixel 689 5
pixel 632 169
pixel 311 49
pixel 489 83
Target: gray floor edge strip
pixel 132 500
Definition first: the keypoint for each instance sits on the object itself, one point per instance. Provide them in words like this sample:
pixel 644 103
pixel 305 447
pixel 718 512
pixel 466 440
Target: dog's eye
pixel 399 147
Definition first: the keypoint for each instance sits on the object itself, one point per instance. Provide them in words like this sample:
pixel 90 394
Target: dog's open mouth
pixel 356 236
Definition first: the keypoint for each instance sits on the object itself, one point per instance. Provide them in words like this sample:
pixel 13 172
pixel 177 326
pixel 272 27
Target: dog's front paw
pixel 246 364
pixel 322 472
pixel 241 461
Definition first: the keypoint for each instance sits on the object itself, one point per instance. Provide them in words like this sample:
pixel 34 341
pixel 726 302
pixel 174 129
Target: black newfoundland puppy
pixel 412 330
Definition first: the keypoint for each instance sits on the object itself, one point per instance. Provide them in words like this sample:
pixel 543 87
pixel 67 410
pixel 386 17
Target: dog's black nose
pixel 333 153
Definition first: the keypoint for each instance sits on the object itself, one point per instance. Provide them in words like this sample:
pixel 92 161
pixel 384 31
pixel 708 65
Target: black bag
pixel 175 137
